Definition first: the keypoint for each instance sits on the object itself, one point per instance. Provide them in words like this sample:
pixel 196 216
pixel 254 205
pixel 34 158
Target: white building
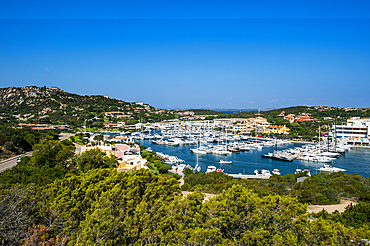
pixel 356 130
pixel 133 161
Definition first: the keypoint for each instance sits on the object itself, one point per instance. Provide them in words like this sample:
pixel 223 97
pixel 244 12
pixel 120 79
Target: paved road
pixel 11 162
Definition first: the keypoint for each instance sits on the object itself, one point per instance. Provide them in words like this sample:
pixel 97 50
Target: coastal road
pixel 11 162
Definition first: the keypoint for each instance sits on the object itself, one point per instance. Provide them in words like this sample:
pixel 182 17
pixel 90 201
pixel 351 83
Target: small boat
pixel 224 162
pixel 220 170
pixel 276 171
pixel 328 168
pixel 211 169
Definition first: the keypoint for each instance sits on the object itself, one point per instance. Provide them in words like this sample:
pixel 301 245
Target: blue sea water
pixel 354 161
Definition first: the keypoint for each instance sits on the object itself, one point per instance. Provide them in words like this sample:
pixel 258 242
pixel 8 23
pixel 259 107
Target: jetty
pixel 280 157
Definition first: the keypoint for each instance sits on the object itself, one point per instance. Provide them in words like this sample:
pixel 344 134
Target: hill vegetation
pixel 53 105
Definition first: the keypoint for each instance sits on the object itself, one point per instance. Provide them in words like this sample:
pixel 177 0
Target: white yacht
pixel 211 169
pixel 262 172
pixel 324 159
pixel 276 171
pixel 220 150
pixel 199 151
pixel 328 168
pixel 224 162
pixel 307 157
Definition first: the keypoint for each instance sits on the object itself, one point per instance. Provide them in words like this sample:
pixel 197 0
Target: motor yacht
pixel 262 172
pixel 276 171
pixel 211 169
pixel 328 168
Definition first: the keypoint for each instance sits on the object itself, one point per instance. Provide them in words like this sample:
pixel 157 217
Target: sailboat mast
pixel 335 135
pixel 319 138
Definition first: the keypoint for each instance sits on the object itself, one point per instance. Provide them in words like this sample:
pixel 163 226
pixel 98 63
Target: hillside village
pixel 43 108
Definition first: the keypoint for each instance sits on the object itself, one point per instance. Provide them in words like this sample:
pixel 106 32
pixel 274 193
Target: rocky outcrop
pixel 15 96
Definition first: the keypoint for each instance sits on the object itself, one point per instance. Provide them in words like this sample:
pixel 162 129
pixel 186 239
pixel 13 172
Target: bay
pixel 353 161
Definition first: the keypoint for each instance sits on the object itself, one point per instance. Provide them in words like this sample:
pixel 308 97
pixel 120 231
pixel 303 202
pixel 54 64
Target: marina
pixel 202 147
pixel 356 160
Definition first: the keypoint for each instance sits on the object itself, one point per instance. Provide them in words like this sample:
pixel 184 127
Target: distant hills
pixel 53 105
pixel 226 110
pixel 232 111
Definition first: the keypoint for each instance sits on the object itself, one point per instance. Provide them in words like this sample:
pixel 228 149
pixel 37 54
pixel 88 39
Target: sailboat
pixel 197 167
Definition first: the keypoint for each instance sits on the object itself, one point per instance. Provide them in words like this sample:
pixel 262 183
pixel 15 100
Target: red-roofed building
pixel 305 118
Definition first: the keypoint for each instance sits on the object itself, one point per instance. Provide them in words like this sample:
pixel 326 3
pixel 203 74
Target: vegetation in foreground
pixel 103 207
pixel 43 202
pixel 322 188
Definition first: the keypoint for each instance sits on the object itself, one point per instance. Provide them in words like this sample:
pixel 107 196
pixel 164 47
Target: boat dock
pixel 251 176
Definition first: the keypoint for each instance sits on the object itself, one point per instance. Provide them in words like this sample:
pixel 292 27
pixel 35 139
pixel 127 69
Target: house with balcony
pixel 276 130
pixel 356 131
pixel 129 163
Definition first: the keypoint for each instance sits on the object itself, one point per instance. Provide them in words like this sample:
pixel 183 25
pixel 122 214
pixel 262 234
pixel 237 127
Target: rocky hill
pixel 53 105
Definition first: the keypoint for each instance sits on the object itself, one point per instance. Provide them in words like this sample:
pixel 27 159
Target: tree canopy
pixel 104 207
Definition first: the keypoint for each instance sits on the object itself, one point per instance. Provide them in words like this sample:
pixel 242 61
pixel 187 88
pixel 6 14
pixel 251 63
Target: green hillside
pixel 52 105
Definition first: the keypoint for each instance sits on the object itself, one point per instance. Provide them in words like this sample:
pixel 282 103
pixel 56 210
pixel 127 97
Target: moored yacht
pixel 262 172
pixel 276 171
pixel 211 169
pixel 328 168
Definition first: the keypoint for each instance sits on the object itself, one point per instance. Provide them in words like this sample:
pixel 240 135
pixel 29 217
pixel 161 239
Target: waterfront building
pixel 276 130
pixel 114 125
pixel 246 126
pixel 356 131
pixel 243 128
pixel 226 122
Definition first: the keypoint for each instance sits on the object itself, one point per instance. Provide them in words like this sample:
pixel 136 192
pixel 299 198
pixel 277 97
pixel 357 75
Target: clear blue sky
pixel 192 54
